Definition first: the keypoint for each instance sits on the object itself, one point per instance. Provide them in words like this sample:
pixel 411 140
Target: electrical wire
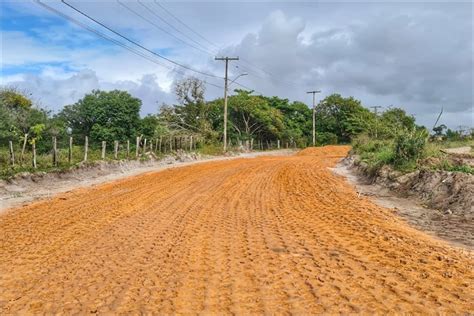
pixel 153 12
pixel 108 38
pixel 159 27
pixel 243 60
pixel 138 44
pixel 184 24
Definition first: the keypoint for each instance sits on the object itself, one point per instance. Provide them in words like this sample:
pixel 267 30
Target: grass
pixel 45 163
pixel 378 153
pixel 210 149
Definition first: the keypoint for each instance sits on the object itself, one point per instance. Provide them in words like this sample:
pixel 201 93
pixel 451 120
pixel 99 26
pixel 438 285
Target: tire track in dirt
pixel 247 236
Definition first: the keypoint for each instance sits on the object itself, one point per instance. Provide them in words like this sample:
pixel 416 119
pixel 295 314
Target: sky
pixel 417 56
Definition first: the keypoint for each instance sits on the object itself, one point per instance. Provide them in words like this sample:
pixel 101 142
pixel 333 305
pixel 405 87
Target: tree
pixel 343 117
pixel 152 127
pixel 297 119
pixel 18 114
pixel 395 119
pixel 104 116
pixel 252 115
pixel 192 114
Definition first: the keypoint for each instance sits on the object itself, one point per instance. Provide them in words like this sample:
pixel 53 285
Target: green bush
pixel 326 138
pixel 409 146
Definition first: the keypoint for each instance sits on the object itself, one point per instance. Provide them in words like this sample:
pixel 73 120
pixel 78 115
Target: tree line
pixel 115 116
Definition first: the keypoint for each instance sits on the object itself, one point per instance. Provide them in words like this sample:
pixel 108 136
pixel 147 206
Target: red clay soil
pixel 247 236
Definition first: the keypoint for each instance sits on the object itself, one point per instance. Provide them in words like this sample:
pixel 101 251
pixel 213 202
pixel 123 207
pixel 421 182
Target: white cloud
pixel 53 93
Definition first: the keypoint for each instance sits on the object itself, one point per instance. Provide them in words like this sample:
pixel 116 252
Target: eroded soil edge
pixel 439 203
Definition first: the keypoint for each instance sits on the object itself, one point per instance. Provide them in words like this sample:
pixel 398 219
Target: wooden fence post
pixel 161 139
pixel 191 143
pixel 151 145
pixel 23 148
pixel 55 152
pixel 104 144
pixel 33 145
pixel 278 144
pixel 144 147
pixel 69 153
pixel 251 144
pixel 171 143
pixel 86 147
pixel 116 145
pixel 12 154
pixel 128 148
pixel 137 148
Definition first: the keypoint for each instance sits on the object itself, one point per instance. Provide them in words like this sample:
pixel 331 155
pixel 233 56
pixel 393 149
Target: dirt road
pixel 263 235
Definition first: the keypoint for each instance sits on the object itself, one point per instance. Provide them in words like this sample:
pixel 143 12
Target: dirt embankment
pixel 456 228
pixel 269 235
pixel 450 192
pixel 437 202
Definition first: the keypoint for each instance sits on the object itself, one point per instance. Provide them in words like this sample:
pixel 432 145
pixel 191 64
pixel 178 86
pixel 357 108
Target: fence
pixel 70 151
pixel 67 151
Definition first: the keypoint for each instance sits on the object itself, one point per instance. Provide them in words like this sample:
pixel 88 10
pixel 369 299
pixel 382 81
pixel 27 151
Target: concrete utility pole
pixel 225 95
pixel 375 107
pixel 314 114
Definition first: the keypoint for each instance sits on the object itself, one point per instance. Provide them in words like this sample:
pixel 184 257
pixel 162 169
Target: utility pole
pixel 225 94
pixel 314 114
pixel 375 107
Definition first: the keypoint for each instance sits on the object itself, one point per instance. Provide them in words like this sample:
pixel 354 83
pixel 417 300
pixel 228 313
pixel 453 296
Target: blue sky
pixel 417 56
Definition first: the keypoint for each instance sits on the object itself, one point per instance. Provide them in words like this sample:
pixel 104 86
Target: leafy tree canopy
pixel 18 114
pixel 343 117
pixel 104 115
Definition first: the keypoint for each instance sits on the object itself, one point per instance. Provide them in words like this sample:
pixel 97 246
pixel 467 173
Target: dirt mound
pixel 270 235
pixel 326 151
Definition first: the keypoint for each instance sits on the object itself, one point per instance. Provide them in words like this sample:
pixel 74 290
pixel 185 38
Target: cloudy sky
pixel 418 56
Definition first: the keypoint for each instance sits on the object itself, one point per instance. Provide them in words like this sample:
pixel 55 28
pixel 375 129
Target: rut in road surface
pixel 262 235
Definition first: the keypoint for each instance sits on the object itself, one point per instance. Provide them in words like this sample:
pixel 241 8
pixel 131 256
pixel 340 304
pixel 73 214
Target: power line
pixel 104 36
pixel 158 27
pixel 184 24
pixel 139 45
pixel 155 25
pixel 172 26
pixel 134 43
pixel 215 45
pixel 248 88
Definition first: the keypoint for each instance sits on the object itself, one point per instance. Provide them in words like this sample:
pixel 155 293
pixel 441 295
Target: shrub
pixel 326 138
pixel 409 146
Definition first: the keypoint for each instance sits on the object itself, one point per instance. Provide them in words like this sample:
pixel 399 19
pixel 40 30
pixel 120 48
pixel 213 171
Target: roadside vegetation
pixel 256 122
pixel 409 148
